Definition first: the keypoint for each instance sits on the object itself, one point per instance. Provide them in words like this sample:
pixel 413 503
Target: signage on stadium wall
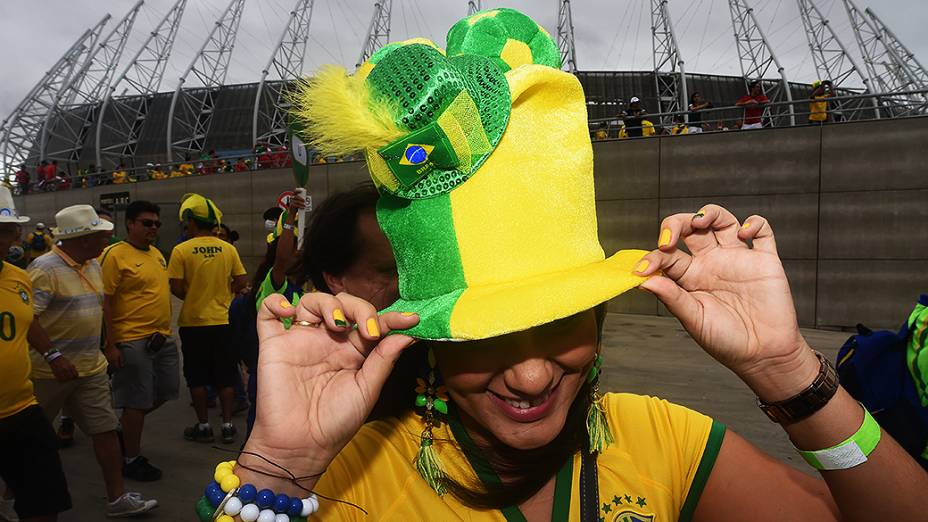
pixel 114 199
pixel 283 200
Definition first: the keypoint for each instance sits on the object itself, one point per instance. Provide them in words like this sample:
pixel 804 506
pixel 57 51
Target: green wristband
pixel 850 453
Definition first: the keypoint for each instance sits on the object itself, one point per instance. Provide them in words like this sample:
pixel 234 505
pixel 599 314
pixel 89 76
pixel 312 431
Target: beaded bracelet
pixel 223 499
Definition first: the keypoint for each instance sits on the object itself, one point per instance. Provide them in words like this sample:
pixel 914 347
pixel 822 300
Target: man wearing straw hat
pixel 29 462
pixel 68 368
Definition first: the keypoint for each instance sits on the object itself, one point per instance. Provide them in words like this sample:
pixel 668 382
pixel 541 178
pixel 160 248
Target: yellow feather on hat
pixel 339 116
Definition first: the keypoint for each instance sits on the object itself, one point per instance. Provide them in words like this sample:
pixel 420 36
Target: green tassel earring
pixel 597 426
pixel 433 398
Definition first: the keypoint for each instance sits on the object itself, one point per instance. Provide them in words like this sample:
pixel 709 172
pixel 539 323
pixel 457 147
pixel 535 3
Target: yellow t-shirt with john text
pixel 15 318
pixel 136 282
pixel 654 471
pixel 207 265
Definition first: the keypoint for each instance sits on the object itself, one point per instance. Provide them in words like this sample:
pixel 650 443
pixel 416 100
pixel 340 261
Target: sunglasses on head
pixel 148 223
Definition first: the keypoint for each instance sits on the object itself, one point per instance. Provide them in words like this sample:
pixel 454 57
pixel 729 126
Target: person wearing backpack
pixel 38 242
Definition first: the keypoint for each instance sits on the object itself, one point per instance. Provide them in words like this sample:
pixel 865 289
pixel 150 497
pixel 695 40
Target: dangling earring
pixel 432 397
pixel 597 426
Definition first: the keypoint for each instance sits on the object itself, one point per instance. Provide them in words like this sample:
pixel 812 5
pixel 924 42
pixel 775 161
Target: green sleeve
pixel 713 445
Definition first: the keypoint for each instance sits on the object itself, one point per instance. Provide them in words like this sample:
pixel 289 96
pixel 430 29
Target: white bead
pixel 267 515
pixel 307 508
pixel 233 507
pixel 315 503
pixel 249 513
pixel 282 517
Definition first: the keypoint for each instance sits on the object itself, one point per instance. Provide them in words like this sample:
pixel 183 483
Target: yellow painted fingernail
pixel 642 266
pixel 339 317
pixel 665 237
pixel 407 314
pixel 747 224
pixel 285 304
pixel 372 329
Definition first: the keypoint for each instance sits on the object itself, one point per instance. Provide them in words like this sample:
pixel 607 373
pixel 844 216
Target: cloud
pixel 610 35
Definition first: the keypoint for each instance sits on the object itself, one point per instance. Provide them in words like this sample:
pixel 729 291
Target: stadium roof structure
pixel 81 113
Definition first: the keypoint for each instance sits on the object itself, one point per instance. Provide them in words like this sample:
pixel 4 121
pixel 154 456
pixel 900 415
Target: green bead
pixel 441 406
pixel 594 373
pixel 205 510
pixel 426 442
pixel 420 401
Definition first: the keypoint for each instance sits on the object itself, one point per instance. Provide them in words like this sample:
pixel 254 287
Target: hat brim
pixel 495 310
pixel 14 219
pixel 102 226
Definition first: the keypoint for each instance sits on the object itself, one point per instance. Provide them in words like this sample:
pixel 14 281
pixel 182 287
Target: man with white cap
pixel 68 368
pixel 29 462
pixel 38 242
pixel 633 116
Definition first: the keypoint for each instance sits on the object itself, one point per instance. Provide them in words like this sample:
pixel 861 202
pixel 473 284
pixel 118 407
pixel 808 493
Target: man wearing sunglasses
pixel 137 316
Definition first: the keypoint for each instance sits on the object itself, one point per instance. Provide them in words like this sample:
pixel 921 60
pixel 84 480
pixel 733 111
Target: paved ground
pixel 645 354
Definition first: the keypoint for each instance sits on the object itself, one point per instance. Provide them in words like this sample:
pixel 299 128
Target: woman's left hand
pixel 733 299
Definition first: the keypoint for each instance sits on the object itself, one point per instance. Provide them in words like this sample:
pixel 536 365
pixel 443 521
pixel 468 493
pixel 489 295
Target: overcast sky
pixel 610 34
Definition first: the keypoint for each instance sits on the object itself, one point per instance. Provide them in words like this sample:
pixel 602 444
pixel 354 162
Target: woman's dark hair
pixel 331 243
pixel 232 234
pixel 134 209
pixel 693 96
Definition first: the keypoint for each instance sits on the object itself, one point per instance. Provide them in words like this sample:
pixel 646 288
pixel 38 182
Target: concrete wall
pixel 847 203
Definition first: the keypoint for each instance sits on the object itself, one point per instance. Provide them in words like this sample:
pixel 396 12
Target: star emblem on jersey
pixel 24 296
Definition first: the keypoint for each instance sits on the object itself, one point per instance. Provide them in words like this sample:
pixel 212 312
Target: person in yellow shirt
pixel 29 462
pixel 502 418
pixel 205 272
pixel 818 107
pixel 137 316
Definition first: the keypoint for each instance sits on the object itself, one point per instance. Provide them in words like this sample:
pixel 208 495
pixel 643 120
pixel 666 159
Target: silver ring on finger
pixel 306 323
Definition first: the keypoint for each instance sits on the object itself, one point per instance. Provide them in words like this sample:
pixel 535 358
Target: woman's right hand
pixel 319 383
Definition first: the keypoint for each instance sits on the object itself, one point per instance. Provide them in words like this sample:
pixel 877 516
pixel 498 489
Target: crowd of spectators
pixel 702 116
pixel 48 177
pixel 94 339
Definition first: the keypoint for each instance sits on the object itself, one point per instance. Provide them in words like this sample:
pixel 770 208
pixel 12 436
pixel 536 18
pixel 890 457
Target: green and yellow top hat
pixel 485 167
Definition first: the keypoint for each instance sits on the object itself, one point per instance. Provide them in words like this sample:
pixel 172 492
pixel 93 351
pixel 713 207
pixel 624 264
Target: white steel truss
pixel 757 59
pixel 191 109
pixel 472 6
pixel 71 118
pixel 832 61
pixel 887 72
pixel 272 103
pixel 20 141
pixel 669 73
pixel 139 82
pixel 565 36
pixel 378 32
pixel 906 58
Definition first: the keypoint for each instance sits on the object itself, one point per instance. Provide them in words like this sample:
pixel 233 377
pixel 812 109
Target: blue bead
pixel 216 498
pixel 247 493
pixel 265 499
pixel 211 488
pixel 296 507
pixel 281 503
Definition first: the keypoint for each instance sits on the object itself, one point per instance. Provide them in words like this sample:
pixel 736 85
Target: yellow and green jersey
pixel 207 265
pixel 137 282
pixel 654 471
pixel 15 318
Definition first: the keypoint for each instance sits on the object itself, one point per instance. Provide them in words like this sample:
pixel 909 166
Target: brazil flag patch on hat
pixel 485 168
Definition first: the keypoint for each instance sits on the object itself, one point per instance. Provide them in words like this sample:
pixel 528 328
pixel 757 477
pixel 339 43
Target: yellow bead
pixel 229 482
pixel 231 464
pixel 225 518
pixel 222 473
